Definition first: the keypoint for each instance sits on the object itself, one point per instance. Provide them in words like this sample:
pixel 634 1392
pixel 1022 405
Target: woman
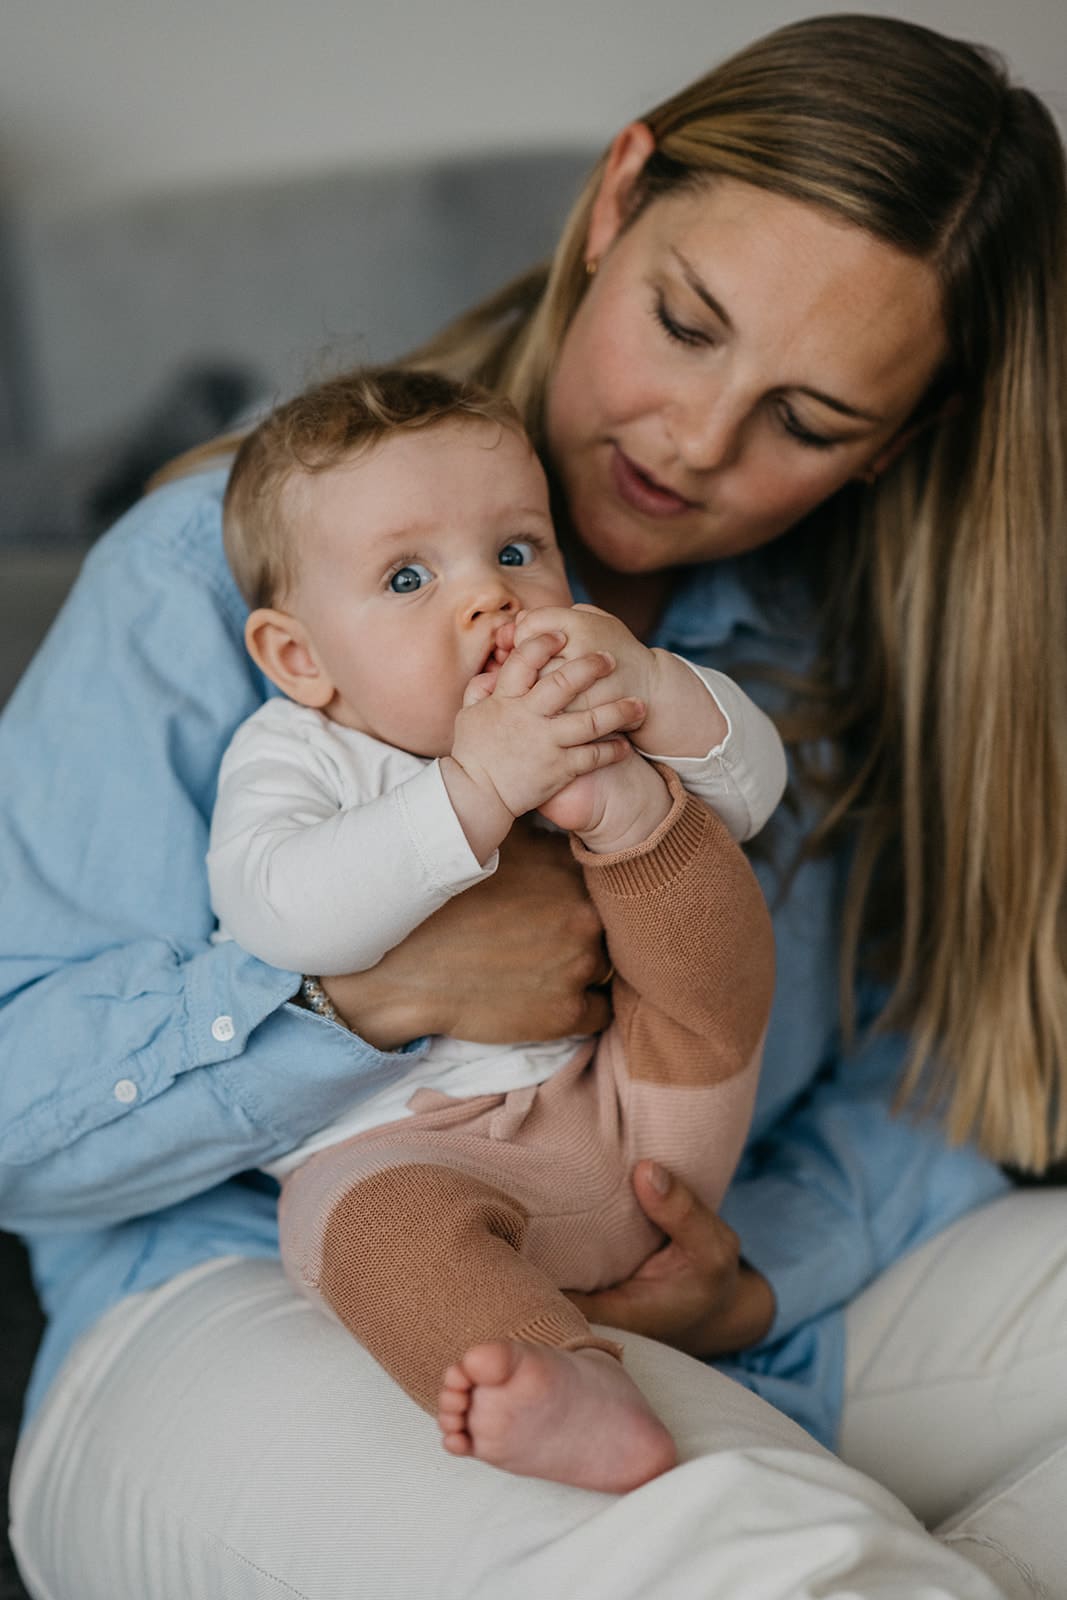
pixel 798 374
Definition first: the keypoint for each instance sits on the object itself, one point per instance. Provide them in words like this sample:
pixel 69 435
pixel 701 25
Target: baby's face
pixel 412 558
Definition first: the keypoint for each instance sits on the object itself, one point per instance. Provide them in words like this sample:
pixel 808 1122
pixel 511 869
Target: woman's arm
pixel 519 956
pixel 142 1063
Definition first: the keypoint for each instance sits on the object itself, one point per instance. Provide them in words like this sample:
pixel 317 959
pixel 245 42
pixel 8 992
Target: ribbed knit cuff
pixel 559 1331
pixel 660 858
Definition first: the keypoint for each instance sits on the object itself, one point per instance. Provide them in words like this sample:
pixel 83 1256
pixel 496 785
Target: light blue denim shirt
pixel 143 1068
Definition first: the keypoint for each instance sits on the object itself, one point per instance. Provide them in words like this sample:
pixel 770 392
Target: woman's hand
pixel 513 958
pixel 694 1293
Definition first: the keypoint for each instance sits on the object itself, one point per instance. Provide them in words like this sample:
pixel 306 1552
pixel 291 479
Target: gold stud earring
pixel 591 266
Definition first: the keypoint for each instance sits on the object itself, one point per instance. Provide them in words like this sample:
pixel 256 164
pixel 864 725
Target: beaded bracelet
pixel 316 999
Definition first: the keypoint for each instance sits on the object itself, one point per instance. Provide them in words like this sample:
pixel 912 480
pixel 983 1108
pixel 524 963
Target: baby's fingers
pixel 584 758
pixel 599 722
pixel 479 688
pixel 558 688
pixel 505 642
pixel 520 671
pixel 542 619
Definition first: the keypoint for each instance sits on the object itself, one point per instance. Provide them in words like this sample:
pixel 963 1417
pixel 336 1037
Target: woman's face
pixel 738 356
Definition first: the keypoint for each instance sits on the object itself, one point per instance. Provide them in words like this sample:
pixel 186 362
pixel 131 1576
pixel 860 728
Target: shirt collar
pixel 711 605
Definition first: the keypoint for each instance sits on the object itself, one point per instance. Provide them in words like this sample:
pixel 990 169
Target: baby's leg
pixel 691 939
pixel 423 1264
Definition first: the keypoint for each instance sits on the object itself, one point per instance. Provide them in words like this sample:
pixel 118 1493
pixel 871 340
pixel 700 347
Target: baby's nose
pixel 494 599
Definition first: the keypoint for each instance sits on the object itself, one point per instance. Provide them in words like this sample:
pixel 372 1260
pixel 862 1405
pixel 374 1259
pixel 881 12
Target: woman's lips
pixel 644 494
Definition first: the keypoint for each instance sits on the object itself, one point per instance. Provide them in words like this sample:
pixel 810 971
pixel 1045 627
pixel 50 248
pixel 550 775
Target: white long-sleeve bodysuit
pixel 328 847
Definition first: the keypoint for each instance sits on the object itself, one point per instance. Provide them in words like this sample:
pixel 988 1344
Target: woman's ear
pixel 280 647
pixel 950 407
pixel 889 453
pixel 629 151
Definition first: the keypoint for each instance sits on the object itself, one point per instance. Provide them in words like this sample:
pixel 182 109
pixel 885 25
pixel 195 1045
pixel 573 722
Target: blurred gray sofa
pixel 132 331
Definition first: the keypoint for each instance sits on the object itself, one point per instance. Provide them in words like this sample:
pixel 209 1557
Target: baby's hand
pixel 611 809
pixel 681 717
pixel 588 628
pixel 518 741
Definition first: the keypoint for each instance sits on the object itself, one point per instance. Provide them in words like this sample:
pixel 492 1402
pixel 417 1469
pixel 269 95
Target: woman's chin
pixel 632 553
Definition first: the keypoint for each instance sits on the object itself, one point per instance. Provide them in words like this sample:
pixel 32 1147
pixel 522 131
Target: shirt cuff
pixel 743 777
pixel 289 1071
pixel 754 1209
pixel 228 993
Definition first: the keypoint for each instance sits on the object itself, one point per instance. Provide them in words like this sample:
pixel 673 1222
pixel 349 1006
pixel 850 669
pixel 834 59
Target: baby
pixel 391 532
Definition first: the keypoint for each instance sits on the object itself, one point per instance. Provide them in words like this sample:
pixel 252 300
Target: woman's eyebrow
pixel 839 405
pixel 700 288
pixel 702 292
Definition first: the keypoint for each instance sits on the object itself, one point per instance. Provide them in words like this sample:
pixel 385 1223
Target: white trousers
pixel 219 1439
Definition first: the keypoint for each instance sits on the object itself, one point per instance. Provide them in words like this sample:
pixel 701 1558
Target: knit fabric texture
pixel 465 1220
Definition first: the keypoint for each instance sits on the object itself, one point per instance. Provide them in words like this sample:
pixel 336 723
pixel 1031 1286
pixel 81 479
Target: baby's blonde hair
pixel 318 429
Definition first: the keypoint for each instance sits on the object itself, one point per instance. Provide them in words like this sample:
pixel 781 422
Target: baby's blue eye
pixel 407 579
pixel 517 554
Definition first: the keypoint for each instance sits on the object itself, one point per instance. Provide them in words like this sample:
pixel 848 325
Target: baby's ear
pixel 279 645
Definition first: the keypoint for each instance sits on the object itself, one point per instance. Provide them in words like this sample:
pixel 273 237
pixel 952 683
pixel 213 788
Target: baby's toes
pixel 452 1405
pixel 456 1380
pixel 457 1444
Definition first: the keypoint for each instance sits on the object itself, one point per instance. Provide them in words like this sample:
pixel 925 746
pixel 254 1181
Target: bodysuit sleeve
pixel 743 777
pixel 312 866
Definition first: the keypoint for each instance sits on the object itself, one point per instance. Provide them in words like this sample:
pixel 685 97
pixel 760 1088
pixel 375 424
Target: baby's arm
pixel 306 880
pixel 698 721
pixel 309 885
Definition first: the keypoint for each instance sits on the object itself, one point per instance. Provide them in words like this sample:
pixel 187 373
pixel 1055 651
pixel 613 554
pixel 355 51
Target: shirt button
pixel 125 1091
pixel 223 1029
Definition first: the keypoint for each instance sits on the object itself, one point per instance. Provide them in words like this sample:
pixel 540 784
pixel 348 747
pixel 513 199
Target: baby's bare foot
pixel 573 1416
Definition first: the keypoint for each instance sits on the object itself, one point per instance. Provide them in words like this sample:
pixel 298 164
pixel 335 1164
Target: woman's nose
pixel 707 433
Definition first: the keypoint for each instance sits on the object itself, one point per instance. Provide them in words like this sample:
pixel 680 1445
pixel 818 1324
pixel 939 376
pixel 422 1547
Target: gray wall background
pixel 108 98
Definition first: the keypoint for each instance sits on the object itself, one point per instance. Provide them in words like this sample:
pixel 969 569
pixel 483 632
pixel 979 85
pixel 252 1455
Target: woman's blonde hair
pixel 323 427
pixel 941 675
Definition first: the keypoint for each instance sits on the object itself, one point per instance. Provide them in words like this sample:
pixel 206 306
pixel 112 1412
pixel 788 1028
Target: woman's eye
pixel 519 553
pixel 406 579
pixel 677 330
pixel 796 430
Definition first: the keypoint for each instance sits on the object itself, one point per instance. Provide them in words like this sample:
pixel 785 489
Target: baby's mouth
pixel 496 656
